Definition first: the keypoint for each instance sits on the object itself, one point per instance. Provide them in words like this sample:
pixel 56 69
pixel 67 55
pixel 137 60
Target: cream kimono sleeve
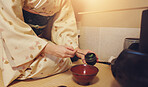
pixel 64 29
pixel 18 38
pixel 18 43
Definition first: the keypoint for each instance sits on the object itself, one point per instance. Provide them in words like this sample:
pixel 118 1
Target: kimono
pixel 21 55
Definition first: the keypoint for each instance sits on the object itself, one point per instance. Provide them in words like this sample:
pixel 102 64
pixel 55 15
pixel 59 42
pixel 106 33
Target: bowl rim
pixel 83 74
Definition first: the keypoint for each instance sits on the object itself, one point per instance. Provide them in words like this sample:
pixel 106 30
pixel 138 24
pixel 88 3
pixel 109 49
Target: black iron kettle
pixel 130 69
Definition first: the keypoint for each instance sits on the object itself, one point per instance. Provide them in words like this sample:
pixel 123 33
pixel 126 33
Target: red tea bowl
pixel 83 74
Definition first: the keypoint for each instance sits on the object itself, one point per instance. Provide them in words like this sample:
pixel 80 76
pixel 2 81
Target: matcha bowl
pixel 83 74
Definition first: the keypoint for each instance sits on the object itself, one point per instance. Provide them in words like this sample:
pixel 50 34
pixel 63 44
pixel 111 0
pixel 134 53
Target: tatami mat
pixel 104 78
pixel 63 79
pixel 52 81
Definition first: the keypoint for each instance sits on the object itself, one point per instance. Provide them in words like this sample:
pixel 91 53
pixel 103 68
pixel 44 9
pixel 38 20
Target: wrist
pixel 48 48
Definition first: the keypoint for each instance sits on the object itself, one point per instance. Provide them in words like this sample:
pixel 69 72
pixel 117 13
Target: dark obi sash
pixel 37 22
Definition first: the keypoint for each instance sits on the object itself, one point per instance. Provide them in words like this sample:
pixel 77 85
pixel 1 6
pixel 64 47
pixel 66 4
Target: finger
pixel 97 60
pixel 71 56
pixel 68 56
pixel 83 60
pixel 70 52
pixel 70 48
pixel 89 51
pixel 97 57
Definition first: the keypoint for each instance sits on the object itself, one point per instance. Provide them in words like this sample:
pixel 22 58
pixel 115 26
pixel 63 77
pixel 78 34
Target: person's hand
pixel 79 51
pixel 59 50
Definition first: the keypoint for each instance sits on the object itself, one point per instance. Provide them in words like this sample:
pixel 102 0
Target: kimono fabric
pixel 45 65
pixel 24 35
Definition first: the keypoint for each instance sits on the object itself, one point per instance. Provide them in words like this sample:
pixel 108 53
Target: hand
pixel 84 52
pixel 59 50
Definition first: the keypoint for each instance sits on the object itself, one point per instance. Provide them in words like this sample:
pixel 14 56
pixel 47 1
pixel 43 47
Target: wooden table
pixel 104 78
